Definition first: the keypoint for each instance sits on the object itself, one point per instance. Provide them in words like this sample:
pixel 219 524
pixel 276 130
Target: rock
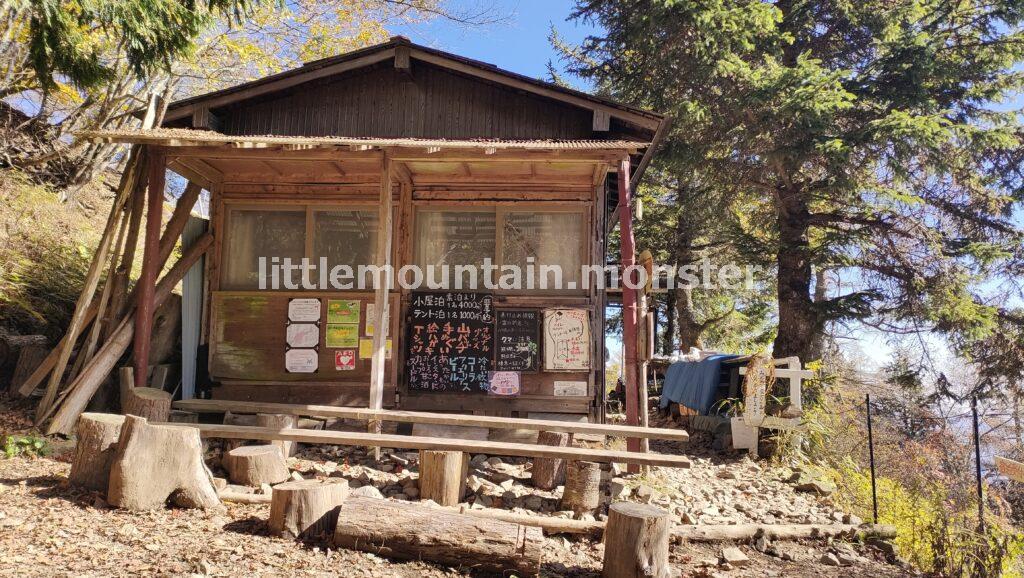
pixel 687 518
pixel 852 520
pixel 473 483
pixel 829 559
pixel 494 461
pixel 478 459
pixel 533 502
pixel 726 474
pixel 885 546
pixel 847 558
pixel 266 490
pixel 761 544
pixel 820 487
pixel 411 491
pixel 647 494
pixel 484 500
pixel 368 492
pixel 618 490
pixel 734 557
pixel 297 477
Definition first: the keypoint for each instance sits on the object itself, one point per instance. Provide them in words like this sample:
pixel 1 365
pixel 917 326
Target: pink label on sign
pixel 345 359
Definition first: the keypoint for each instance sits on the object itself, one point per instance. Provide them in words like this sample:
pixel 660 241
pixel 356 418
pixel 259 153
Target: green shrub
pixel 25 445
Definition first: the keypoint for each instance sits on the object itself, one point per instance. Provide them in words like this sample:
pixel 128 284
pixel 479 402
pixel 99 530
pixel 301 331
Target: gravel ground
pixel 49 528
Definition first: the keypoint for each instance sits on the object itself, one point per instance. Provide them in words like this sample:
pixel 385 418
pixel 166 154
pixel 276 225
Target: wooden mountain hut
pixel 398 155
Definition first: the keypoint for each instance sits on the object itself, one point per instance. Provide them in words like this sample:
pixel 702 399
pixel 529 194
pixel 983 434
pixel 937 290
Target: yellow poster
pixel 366 348
pixel 342 335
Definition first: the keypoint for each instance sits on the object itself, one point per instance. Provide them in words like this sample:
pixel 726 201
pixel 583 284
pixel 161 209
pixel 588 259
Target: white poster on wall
pixel 570 388
pixel 567 339
pixel 303 335
pixel 304 310
pixel 301 361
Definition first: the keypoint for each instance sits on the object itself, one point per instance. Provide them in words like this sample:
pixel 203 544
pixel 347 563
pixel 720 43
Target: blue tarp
pixel 693 383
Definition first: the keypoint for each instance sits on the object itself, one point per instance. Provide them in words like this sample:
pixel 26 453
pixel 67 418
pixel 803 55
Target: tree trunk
pixel 95 449
pixel 547 473
pixel 154 463
pixel 668 343
pixel 152 404
pixel 29 358
pixel 690 329
pixel 582 492
pixel 306 509
pixel 414 532
pixel 443 476
pixel 256 465
pixel 636 542
pixel 799 320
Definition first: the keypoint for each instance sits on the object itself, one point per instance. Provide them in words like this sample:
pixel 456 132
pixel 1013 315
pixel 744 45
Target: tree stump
pixel 150 403
pixel 94 452
pixel 409 531
pixel 582 487
pixel 280 421
pixel 154 463
pixel 305 509
pixel 548 473
pixel 29 358
pixel 636 541
pixel 256 465
pixel 443 476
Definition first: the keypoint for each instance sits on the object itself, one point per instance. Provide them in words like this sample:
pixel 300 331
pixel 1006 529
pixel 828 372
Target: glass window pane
pixel 256 233
pixel 345 237
pixel 454 237
pixel 550 238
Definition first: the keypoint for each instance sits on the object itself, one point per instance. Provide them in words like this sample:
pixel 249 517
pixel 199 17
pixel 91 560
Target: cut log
pixel 280 421
pixel 548 473
pixel 157 463
pixel 742 532
pixel 443 476
pixel 549 525
pixel 582 487
pixel 150 403
pixel 29 359
pixel 256 465
pixel 242 498
pixel 636 541
pixel 306 509
pixel 94 452
pixel 413 532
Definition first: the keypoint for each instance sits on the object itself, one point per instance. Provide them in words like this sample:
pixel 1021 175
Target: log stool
pixel 97 442
pixel 548 473
pixel 148 402
pixel 305 509
pixel 154 463
pixel 443 476
pixel 582 492
pixel 280 421
pixel 636 541
pixel 256 465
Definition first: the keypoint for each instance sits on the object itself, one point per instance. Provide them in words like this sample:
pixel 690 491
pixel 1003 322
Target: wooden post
pixel 629 312
pixel 150 267
pixel 443 476
pixel 381 294
pixel 582 492
pixel 548 473
pixel 636 542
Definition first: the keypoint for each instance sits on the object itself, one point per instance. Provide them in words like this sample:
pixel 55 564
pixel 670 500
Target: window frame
pixel 500 211
pixel 308 210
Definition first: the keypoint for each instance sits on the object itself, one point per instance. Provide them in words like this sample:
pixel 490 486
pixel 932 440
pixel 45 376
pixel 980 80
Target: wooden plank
pixel 327 411
pixel 310 436
pixel 1010 468
pixel 384 233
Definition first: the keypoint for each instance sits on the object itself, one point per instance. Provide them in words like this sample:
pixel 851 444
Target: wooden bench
pixel 429 443
pixel 327 411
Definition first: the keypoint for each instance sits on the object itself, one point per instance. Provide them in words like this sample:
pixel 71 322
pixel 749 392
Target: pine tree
pixel 872 140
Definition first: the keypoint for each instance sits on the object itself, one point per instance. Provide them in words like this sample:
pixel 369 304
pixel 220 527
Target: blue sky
pixel 519 44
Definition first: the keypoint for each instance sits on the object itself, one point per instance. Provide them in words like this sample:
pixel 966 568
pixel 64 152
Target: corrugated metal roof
pixel 188 137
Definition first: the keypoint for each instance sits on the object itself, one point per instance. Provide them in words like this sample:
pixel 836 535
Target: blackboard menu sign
pixel 450 342
pixel 518 340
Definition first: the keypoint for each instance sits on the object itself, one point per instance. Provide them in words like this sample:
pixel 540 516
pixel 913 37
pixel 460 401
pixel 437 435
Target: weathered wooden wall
pixel 381 101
